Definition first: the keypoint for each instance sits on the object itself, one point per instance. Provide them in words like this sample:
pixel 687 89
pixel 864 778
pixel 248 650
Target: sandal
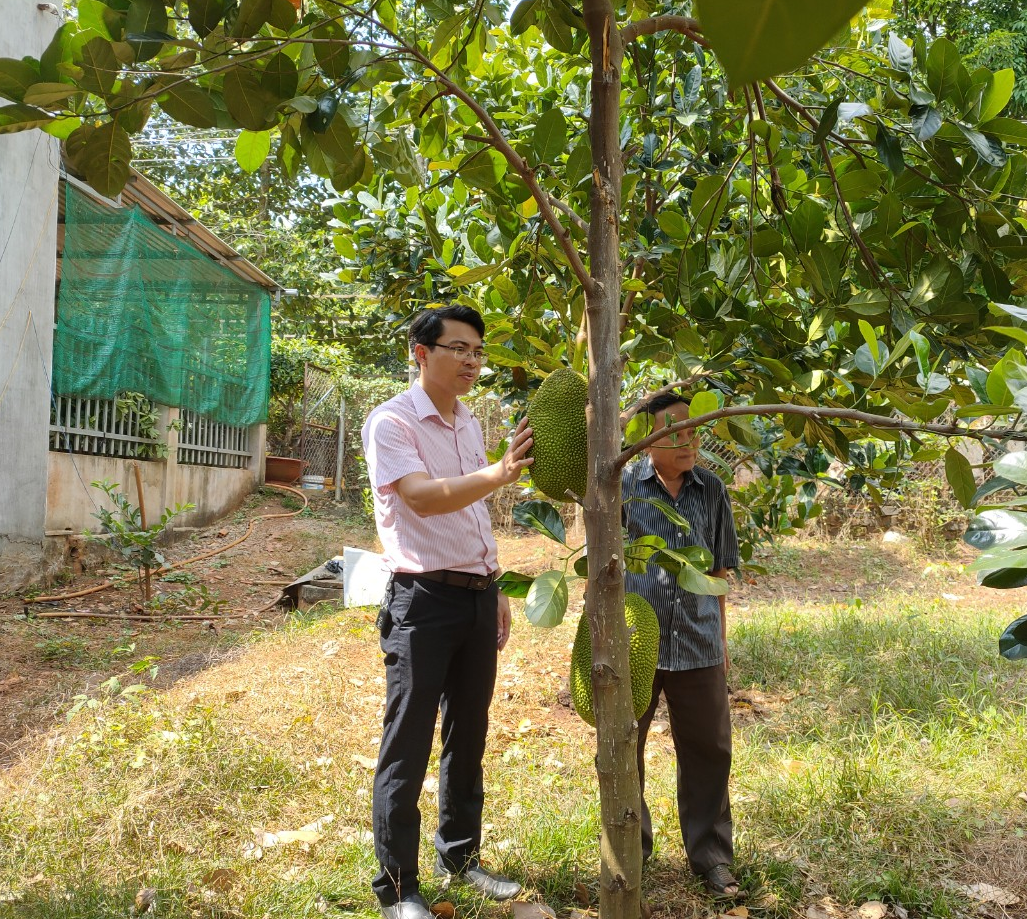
pixel 721 883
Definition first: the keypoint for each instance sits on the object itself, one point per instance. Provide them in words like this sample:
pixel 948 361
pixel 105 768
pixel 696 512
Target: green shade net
pixel 141 311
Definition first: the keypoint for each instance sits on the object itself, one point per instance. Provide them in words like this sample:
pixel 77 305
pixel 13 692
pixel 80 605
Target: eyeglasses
pixel 461 353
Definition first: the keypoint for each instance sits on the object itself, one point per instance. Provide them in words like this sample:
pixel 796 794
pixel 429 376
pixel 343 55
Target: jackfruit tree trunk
pixel 620 800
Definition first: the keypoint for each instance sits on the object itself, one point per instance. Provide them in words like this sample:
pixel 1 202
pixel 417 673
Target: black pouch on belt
pixel 384 621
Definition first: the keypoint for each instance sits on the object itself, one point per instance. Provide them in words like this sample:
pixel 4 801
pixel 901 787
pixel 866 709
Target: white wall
pixel 28 244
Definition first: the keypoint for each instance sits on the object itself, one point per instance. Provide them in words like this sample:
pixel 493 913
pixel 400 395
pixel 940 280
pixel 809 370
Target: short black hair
pixel 428 324
pixel 663 401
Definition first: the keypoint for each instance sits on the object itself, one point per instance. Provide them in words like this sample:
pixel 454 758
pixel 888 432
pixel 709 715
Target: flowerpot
pixel 282 469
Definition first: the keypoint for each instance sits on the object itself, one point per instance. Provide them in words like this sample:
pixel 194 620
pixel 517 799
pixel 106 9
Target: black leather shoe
pixel 492 885
pixel 413 907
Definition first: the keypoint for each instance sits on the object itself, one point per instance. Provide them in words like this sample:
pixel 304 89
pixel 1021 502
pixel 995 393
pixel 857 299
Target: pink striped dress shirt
pixel 407 434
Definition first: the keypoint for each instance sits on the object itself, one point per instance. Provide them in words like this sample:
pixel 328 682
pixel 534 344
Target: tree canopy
pixel 838 252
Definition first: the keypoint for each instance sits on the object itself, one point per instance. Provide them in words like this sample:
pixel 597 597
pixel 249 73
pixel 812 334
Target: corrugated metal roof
pixel 177 221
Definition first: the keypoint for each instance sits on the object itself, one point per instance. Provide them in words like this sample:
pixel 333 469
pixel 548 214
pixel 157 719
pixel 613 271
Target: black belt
pixel 456 578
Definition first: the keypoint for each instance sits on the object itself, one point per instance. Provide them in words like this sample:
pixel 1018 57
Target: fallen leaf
pixel 443 909
pixel 251 850
pixel 431 784
pixel 826 908
pixel 531 911
pixel 581 895
pixel 144 900
pixel 221 879
pixel 742 912
pixel 179 848
pixel 987 893
pixel 318 825
pixel 368 762
pixel 874 909
pixel 286 837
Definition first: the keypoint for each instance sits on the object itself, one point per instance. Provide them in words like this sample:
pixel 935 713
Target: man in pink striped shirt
pixel 443 620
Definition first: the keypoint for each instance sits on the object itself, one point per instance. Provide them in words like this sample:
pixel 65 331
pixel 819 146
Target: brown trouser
pixel 700 725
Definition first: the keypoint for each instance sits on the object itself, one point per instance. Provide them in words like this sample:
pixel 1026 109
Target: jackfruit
pixel 557 418
pixel 644 646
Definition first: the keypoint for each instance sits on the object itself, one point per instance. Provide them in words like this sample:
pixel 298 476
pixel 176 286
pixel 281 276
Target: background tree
pixel 842 249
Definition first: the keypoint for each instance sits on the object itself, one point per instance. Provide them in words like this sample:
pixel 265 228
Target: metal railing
pixel 99 427
pixel 205 442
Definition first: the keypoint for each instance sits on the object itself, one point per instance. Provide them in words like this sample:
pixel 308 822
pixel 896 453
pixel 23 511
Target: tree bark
pixel 617 731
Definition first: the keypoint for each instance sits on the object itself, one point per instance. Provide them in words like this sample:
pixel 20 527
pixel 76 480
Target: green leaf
pixel 1012 466
pixel 1012 643
pixel 697 582
pixel 997 94
pixel 926 121
pixel 541 516
pixel 514 584
pixel 997 529
pixel 766 242
pixel 889 149
pixel 900 55
pixel 546 602
pixel 1007 130
pixel 579 164
pixel 252 148
pixel 246 101
pixel 16 77
pixel 692 85
pixel 103 155
pixel 702 404
pixel 943 63
pixel 806 225
pixel 1005 579
pixel 484 169
pixel 337 142
pixel 987 148
pixel 346 175
pixel 523 16
pixel 100 66
pixel 188 104
pixel 92 17
pixel 550 136
pixel 742 432
pixel 473 275
pixel 331 50
pixel 827 121
pixel 709 200
pixel 146 17
pixel 250 19
pixel 672 222
pixel 49 95
pixel 960 476
pixel 755 39
pixel 638 553
pixel 870 337
pixel 280 78
pixel 18 117
pixel 555 28
pixel 922 349
pixel 204 15
pixel 668 511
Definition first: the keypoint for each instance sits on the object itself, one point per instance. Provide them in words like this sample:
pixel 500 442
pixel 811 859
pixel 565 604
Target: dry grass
pixel 879 755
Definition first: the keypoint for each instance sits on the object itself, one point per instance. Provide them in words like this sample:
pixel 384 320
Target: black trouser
pixel 700 725
pixel 440 646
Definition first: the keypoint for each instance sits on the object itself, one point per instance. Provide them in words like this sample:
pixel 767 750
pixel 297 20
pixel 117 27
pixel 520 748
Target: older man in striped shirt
pixel 443 619
pixel 693 660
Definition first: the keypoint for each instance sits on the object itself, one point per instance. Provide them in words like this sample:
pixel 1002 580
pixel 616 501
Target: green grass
pixel 891 744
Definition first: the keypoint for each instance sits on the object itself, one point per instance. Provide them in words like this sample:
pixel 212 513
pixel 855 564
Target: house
pixel 155 349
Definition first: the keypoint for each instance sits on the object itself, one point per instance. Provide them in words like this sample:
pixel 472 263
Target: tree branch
pixel 818 413
pixel 634 409
pixel 685 25
pixel 499 142
pixel 578 220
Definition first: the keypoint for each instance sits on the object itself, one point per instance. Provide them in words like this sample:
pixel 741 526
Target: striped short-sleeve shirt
pixel 405 435
pixel 690 624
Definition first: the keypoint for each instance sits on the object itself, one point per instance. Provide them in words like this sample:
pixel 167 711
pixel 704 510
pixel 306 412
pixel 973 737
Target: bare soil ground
pixel 47 659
